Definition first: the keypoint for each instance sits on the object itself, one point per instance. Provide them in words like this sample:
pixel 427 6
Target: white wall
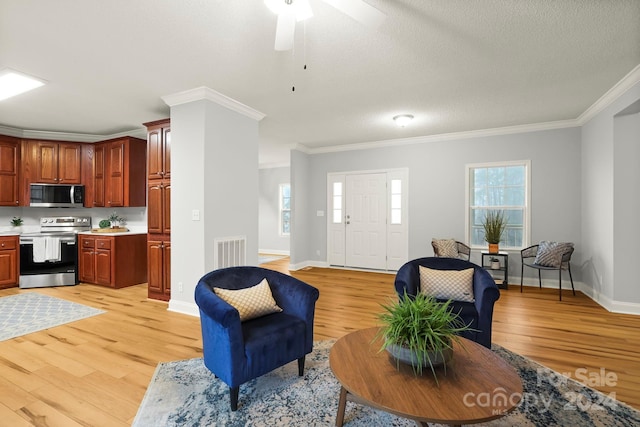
pixel 599 210
pixel 626 205
pixel 437 189
pixel 270 239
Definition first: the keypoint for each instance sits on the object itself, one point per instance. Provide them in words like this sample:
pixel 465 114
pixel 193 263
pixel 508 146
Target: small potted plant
pixel 420 331
pixel 494 225
pixel 116 220
pixel 16 222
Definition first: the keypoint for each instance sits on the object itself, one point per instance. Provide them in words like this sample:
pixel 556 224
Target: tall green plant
pixel 421 324
pixel 494 225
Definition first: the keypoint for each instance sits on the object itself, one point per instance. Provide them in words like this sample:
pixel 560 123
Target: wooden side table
pixel 500 274
pixel 371 377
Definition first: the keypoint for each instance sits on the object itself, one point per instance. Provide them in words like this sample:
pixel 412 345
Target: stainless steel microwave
pixel 56 196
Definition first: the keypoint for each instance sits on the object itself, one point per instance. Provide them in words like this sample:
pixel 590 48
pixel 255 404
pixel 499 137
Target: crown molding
pixel 626 83
pixel 274 165
pixel 68 136
pixel 208 94
pixel 534 127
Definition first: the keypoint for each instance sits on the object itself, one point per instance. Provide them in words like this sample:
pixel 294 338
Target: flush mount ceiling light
pixel 403 119
pixel 13 83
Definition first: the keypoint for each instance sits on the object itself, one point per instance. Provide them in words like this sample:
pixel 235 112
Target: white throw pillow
pixel 447 248
pixel 456 285
pixel 250 302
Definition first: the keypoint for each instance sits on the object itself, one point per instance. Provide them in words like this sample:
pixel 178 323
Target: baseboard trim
pixel 190 308
pixel 273 252
pixel 607 303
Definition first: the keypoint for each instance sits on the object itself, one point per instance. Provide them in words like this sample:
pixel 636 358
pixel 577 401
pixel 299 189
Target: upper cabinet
pixel 57 162
pixel 119 173
pixel 159 144
pixel 9 164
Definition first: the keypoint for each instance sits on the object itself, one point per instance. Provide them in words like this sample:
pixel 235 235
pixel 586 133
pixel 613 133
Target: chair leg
pixel 301 366
pixel 539 279
pixel 233 394
pixel 571 277
pixel 521 276
pixel 560 283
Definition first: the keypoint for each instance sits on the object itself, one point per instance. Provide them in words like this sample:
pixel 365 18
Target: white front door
pixel 366 221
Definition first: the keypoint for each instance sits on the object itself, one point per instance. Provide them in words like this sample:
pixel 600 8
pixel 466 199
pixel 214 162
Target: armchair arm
pixel 407 279
pixel 486 294
pixel 222 339
pixel 296 298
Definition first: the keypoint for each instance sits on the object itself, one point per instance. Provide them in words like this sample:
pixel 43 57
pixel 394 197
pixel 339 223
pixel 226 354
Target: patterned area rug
pixel 30 312
pixel 185 393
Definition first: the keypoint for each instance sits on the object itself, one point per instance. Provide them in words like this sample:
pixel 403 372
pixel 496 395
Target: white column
pixel 214 184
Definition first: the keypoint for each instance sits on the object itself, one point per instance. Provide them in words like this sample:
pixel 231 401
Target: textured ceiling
pixel 456 65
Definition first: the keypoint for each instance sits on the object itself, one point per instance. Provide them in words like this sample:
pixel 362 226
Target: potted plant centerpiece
pixel 494 225
pixel 420 331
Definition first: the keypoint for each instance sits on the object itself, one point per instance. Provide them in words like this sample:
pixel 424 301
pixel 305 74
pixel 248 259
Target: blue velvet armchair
pixel 478 314
pixel 236 351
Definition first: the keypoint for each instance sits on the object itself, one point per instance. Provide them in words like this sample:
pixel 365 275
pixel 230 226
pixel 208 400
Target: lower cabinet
pixel 9 261
pixel 114 261
pixel 159 274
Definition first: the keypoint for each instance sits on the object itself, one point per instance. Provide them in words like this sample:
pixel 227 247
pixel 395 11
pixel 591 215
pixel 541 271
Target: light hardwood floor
pixel 94 372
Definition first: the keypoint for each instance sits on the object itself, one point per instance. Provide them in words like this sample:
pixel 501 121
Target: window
pixel 285 209
pixel 337 203
pixel 504 187
pixel 396 201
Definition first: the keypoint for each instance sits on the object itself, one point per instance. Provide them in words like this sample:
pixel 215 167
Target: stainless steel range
pixel 49 257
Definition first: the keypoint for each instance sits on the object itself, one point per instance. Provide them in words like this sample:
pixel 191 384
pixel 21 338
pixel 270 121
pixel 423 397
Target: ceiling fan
pixel 291 11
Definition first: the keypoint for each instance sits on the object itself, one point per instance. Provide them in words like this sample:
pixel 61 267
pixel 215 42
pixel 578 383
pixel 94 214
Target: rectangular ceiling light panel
pixel 13 83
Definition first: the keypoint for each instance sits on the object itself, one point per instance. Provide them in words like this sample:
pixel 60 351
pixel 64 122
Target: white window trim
pixel 526 238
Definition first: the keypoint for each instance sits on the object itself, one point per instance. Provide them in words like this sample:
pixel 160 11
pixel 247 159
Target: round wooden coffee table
pixel 478 386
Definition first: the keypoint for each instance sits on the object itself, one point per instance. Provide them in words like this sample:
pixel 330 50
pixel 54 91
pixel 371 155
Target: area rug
pixel 184 393
pixel 30 312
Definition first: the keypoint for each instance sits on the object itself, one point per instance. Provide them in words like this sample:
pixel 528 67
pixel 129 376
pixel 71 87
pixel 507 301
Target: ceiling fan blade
pixel 285 31
pixel 360 11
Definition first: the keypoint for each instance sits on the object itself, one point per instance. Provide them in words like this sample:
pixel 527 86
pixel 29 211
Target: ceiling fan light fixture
pixel 403 120
pixel 301 9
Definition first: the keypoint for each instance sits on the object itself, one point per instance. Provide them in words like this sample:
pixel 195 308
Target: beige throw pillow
pixel 251 302
pixel 447 248
pixel 447 284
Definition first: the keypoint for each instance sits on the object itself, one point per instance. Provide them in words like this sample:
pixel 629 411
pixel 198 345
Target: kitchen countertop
pixel 119 233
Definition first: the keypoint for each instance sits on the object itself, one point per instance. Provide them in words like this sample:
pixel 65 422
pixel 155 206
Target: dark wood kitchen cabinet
pixel 57 162
pixel 119 173
pixel 114 261
pixel 9 167
pixel 159 146
pixel 9 261
pixel 159 208
pixel 159 275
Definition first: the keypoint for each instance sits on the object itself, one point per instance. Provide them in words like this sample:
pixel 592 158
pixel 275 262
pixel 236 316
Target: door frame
pixel 397 234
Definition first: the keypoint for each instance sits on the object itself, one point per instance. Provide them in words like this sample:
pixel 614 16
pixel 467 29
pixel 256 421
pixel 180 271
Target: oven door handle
pixel 63 240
